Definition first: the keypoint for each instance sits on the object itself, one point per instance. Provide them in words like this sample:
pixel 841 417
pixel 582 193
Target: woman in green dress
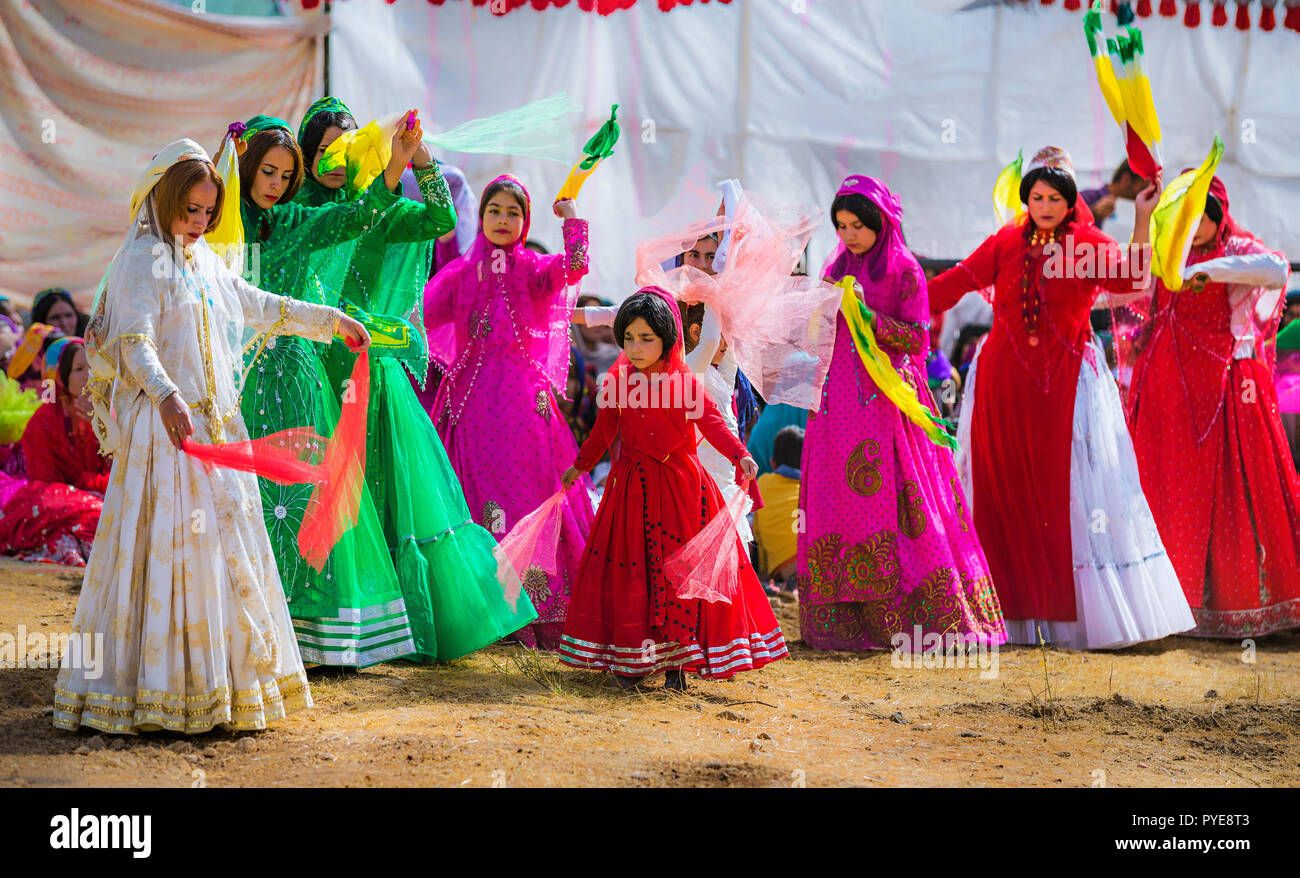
pixel 352 612
pixel 445 563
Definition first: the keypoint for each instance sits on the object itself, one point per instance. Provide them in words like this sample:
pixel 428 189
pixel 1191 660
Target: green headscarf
pixel 324 105
pixel 263 123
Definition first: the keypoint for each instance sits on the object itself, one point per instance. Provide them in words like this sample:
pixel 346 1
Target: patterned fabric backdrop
pixel 90 90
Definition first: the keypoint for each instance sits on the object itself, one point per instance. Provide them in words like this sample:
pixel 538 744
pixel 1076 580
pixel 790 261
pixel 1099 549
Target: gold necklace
pixel 1040 237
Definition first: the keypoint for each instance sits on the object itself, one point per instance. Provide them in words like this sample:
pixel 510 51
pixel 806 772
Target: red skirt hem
pixel 714 662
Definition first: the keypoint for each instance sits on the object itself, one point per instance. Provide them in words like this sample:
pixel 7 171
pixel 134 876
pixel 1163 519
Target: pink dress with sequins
pixel 498 323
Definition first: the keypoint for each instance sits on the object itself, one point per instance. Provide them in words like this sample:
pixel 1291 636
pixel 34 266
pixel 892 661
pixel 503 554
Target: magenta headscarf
pixel 533 287
pixel 883 258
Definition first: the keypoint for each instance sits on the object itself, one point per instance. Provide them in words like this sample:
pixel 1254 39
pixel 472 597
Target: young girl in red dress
pixel 624 613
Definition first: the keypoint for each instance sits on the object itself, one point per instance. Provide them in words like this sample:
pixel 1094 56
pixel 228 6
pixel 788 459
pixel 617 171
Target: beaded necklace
pixel 480 328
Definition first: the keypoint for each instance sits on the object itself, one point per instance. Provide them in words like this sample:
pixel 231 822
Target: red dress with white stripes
pixel 623 616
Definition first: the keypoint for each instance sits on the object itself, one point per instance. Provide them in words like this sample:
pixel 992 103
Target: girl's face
pixel 854 233
pixel 503 219
pixel 1047 207
pixel 701 255
pixel 63 316
pixel 1205 232
pixel 337 177
pixel 193 221
pixel 79 376
pixel 272 177
pixel 642 346
pixel 8 340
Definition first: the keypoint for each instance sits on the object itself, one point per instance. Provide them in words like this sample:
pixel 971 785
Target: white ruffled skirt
pixel 1125 588
pixel 723 470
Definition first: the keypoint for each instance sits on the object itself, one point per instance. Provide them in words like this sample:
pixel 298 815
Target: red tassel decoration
pixel 1220 16
pixel 1243 15
pixel 1267 21
pixel 1168 8
pixel 1114 7
pixel 1072 5
pixel 1292 19
pixel 1045 2
pixel 1144 9
pixel 1192 15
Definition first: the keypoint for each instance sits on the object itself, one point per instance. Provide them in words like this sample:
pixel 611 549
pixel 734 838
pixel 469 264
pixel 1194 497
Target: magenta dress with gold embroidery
pixel 888 543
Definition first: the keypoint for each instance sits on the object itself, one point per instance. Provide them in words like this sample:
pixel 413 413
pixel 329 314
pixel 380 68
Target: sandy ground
pixel 1181 712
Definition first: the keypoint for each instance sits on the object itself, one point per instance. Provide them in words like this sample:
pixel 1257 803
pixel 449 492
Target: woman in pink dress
pixel 498 322
pixel 889 544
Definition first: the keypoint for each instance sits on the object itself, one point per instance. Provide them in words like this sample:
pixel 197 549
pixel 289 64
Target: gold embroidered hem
pixel 149 710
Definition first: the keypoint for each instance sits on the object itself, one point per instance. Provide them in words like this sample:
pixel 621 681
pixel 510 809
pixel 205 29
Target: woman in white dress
pixel 181 585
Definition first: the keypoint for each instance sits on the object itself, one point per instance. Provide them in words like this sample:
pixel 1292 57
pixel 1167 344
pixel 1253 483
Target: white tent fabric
pixel 91 90
pixel 790 97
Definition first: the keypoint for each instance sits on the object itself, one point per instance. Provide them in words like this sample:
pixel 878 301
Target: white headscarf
pixel 101 342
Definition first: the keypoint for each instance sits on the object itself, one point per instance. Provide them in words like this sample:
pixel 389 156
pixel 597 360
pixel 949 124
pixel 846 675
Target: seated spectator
pixel 775 529
pixel 774 418
pixel 944 382
pixel 54 307
pixel 26 363
pixel 43 521
pixel 963 349
pixel 59 443
pixel 10 334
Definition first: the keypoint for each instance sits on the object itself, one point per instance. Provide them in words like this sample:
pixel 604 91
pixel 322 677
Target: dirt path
pixel 508 717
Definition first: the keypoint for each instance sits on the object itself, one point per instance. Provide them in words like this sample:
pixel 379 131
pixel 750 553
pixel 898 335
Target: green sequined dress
pixel 352 613
pixel 444 560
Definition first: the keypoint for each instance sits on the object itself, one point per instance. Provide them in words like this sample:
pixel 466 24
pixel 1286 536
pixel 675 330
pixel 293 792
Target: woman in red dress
pixel 624 613
pixel 44 521
pixel 59 443
pixel 1210 447
pixel 1057 500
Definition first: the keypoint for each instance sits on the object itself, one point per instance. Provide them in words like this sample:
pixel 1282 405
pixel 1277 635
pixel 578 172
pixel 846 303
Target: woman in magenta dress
pixel 59 444
pixel 1210 448
pixel 498 323
pixel 888 543
pixel 625 615
pixel 1058 505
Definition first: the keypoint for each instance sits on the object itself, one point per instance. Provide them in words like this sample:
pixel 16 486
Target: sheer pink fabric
pixel 532 542
pixel 708 567
pixel 780 329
